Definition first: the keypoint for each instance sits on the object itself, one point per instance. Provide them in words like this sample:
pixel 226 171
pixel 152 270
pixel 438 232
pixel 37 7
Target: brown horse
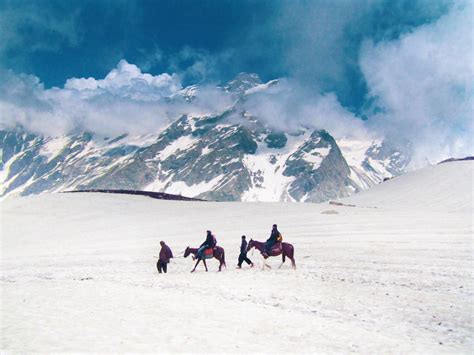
pixel 218 253
pixel 286 250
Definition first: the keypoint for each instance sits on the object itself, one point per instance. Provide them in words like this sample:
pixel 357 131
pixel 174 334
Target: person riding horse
pixel 210 242
pixel 275 237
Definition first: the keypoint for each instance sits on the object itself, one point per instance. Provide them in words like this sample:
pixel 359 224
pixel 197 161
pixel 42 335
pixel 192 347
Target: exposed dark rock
pixel 276 140
pixel 317 181
pixel 456 159
pixel 156 195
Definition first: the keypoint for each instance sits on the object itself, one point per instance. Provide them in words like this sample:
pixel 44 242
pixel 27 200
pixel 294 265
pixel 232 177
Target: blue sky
pixel 404 67
pixel 317 42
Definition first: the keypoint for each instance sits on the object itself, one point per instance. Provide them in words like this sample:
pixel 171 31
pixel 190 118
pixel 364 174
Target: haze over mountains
pixel 232 155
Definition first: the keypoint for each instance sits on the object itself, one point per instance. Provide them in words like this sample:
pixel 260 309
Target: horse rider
pixel 274 238
pixel 165 255
pixel 210 242
pixel 243 254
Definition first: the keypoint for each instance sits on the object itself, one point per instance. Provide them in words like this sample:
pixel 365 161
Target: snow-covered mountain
pixel 230 156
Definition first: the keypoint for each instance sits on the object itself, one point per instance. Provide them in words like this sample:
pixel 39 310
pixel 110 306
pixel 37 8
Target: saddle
pixel 275 250
pixel 208 253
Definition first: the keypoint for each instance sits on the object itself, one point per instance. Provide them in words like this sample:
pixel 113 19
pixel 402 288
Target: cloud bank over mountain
pixel 125 101
pixel 422 86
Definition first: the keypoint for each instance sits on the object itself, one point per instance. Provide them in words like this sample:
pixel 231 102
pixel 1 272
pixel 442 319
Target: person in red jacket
pixel 165 255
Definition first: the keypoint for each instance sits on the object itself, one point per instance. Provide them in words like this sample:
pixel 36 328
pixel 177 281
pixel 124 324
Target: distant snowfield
pixel 78 273
pixel 447 186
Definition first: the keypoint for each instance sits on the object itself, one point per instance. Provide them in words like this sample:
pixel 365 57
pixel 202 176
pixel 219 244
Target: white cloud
pixel 126 100
pixel 127 80
pixel 422 85
pixel 288 106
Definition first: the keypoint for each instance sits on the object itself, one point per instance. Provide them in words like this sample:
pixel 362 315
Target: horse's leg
pixel 292 258
pixel 195 266
pixel 220 258
pixel 205 265
pixel 283 260
pixel 265 263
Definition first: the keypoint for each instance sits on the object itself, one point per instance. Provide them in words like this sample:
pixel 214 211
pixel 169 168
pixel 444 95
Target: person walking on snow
pixel 165 255
pixel 243 254
pixel 210 242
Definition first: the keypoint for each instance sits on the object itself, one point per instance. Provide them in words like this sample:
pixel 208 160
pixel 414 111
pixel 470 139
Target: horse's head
pixel 250 245
pixel 187 251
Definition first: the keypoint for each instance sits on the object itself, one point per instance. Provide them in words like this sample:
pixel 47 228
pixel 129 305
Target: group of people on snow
pixel 210 243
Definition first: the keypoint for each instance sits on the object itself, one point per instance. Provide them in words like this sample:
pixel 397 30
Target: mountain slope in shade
pixel 230 156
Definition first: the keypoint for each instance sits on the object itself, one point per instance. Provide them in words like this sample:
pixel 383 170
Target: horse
pixel 286 250
pixel 218 253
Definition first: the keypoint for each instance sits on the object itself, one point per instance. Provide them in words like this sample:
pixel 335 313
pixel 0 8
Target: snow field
pixel 78 274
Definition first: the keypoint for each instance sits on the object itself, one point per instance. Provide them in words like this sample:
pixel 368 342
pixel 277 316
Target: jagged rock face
pixel 243 82
pixel 394 158
pixel 25 145
pixel 13 143
pixel 320 170
pixel 54 164
pixel 231 156
pixel 276 140
pixel 208 153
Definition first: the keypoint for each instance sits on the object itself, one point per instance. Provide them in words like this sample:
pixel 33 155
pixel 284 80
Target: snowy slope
pixel 78 274
pixel 199 157
pixel 31 164
pixel 447 186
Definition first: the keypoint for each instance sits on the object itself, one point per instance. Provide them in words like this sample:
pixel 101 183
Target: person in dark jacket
pixel 272 240
pixel 165 255
pixel 243 254
pixel 210 242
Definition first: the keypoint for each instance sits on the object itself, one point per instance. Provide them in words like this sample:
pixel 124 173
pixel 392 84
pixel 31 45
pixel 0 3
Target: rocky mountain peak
pixel 243 82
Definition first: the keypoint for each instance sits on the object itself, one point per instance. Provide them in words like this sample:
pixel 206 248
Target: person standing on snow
pixel 243 254
pixel 165 255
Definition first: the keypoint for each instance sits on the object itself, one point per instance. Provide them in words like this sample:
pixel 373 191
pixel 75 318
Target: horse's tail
pixel 223 257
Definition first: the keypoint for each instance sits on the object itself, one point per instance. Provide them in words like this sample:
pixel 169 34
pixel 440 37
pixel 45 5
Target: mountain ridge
pixel 229 156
